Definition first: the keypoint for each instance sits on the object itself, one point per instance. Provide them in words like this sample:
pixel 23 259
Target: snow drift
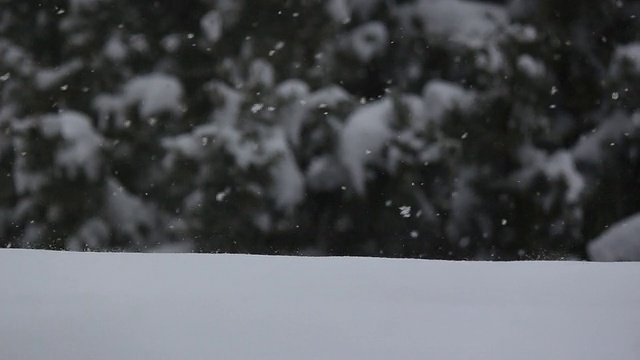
pixel 76 306
pixel 619 243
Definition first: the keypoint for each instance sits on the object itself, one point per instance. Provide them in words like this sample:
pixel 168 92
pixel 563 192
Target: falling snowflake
pixel 405 211
pixel 223 194
pixel 256 107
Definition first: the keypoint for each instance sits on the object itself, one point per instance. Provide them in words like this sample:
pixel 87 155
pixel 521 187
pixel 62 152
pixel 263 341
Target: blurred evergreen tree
pixel 319 127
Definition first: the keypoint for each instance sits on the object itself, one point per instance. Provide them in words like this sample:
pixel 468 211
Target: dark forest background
pixel 426 128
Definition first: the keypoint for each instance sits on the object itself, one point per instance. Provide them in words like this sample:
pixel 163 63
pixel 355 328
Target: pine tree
pixel 318 127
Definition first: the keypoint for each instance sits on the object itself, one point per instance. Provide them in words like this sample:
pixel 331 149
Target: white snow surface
pixel 76 306
pixel 211 24
pixel 365 135
pixel 287 187
pixel 591 148
pixel 530 66
pixel 78 5
pixel 462 22
pixel 338 10
pixel 629 53
pixel 441 96
pixel 368 41
pixel 154 94
pixel 81 150
pixel 129 212
pixel 48 78
pixel 115 48
pixel 557 166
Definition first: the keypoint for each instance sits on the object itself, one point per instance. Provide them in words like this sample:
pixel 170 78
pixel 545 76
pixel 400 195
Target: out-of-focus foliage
pixel 424 128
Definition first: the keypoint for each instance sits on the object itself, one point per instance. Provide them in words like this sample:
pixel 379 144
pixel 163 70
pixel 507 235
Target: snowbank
pixel 76 306
pixel 619 243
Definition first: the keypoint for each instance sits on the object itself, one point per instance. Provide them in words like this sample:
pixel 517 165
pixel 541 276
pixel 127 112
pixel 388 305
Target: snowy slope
pixel 72 306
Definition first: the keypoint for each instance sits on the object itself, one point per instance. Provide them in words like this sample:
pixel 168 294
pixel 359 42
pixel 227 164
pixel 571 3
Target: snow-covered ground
pixel 77 306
